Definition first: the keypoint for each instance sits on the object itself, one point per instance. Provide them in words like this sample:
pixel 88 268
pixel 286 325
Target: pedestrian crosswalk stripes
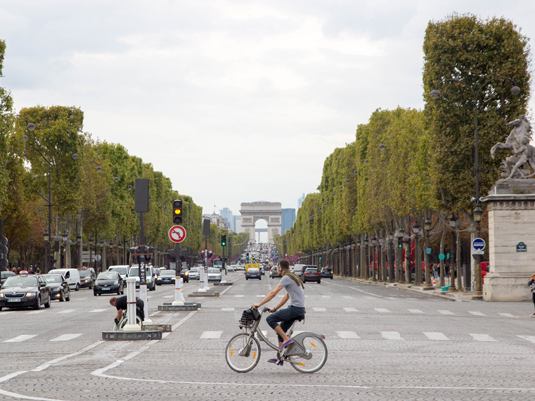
pixel 66 337
pixel 476 313
pixel 347 334
pixel 482 337
pixel 436 336
pixel 21 338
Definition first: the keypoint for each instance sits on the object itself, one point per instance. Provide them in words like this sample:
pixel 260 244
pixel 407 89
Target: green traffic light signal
pixel 224 240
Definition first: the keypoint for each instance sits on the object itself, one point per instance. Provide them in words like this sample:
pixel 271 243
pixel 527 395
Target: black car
pixel 87 278
pixel 184 273
pixel 327 272
pixel 4 275
pixel 59 288
pixel 253 272
pixel 23 290
pixel 107 283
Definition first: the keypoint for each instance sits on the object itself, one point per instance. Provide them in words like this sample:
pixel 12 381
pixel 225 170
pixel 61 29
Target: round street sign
pixel 177 234
pixel 428 251
pixel 478 244
pixel 441 256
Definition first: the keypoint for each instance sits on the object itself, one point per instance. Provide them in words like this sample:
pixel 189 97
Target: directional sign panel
pixel 177 234
pixel 478 245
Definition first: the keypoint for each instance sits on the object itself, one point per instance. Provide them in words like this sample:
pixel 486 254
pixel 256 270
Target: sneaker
pixel 285 344
pixel 276 361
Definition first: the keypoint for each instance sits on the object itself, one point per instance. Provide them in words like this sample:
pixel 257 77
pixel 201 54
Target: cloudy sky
pixel 235 101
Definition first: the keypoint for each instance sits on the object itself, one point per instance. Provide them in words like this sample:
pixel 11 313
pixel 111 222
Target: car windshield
pixel 17 281
pixel 84 273
pixel 170 273
pixel 313 271
pixel 194 270
pixel 134 271
pixel 52 278
pixel 120 270
pixel 253 270
pixel 214 271
pixel 107 276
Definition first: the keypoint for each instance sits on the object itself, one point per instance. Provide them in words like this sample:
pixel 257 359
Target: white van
pixel 71 276
pixel 121 269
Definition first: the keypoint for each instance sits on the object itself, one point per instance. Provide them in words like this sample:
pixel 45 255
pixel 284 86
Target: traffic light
pixel 247 255
pixel 224 240
pixel 177 211
pixel 3 252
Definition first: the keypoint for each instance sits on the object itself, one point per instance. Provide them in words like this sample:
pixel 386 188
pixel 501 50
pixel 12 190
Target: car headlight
pixel 186 274
pixel 31 294
pixel 2 295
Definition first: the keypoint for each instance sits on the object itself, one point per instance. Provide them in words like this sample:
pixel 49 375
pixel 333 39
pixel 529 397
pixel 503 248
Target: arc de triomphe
pixel 268 211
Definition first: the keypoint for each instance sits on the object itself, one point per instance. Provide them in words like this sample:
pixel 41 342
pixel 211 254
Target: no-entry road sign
pixel 177 234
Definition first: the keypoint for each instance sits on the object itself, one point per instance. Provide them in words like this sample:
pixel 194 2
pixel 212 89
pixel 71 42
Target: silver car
pixel 214 274
pixel 194 273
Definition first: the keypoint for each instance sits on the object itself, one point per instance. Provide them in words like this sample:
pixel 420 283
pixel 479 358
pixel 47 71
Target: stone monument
pixel 511 214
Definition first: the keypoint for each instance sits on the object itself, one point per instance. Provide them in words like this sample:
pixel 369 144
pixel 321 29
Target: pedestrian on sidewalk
pixel 531 284
pixel 437 268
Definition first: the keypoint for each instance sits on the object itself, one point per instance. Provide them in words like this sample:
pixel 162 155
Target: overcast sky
pixel 235 101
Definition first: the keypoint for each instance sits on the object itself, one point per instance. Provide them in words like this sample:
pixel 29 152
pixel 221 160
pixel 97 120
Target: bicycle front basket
pixel 248 318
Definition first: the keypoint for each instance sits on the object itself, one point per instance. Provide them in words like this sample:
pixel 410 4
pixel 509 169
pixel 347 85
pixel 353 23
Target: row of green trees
pixel 407 165
pixel 92 187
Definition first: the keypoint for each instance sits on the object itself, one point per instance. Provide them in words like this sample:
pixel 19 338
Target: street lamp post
pixel 367 256
pixel 427 228
pixel 78 250
pixel 453 226
pixel 435 94
pixel 417 262
pixel 374 243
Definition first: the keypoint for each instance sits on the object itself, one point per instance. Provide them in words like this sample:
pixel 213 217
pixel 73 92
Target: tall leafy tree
pixel 474 51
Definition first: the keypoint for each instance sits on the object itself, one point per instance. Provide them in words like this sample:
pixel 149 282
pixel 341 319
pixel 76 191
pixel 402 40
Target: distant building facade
pixel 287 219
pixel 217 220
pixel 226 214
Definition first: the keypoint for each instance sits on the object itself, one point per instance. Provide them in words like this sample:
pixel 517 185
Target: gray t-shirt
pixel 297 295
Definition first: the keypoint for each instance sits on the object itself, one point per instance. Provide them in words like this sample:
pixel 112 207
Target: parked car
pixel 4 275
pixel 214 274
pixel 312 274
pixel 108 282
pixel 71 276
pixel 121 269
pixel 195 273
pixel 327 272
pixel 253 272
pixel 87 278
pixel 25 291
pixel 59 288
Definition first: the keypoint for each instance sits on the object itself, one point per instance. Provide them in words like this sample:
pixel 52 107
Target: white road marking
pixel 66 337
pixel 391 335
pixel 436 336
pixel 416 311
pixel 227 309
pixel 319 309
pixel 350 309
pixel 154 313
pixel 446 312
pixel 67 311
pixel 528 338
pixel 169 296
pixel 482 337
pixel 6 313
pixel 347 334
pixel 35 312
pixel 476 313
pixel 211 334
pixel 97 310
pixel 239 296
pixel 326 296
pixel 506 314
pixel 260 296
pixel 382 310
pixel 80 299
pixel 347 297
pixel 22 337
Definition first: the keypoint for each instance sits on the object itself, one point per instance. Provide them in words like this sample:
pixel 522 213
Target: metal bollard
pixel 179 292
pixel 131 305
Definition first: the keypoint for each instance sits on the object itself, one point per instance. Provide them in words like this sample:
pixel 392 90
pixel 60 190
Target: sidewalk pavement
pixel 458 296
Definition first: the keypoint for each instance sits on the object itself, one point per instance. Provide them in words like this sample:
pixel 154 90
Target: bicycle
pixel 307 354
pixel 124 321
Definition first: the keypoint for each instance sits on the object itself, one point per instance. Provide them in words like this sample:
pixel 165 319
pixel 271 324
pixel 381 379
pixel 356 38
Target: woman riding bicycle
pixel 294 291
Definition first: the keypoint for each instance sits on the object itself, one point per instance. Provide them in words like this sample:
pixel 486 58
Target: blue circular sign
pixel 441 256
pixel 478 244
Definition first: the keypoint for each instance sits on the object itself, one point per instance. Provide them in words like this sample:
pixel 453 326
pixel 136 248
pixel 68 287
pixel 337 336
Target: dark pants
pixel 140 309
pixel 533 293
pixel 286 317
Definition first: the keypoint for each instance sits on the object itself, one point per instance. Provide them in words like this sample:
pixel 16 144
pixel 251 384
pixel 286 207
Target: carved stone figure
pixel 515 167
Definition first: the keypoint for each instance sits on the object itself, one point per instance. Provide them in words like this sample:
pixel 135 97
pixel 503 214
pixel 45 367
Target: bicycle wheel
pixel 242 353
pixel 316 356
pixel 124 322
